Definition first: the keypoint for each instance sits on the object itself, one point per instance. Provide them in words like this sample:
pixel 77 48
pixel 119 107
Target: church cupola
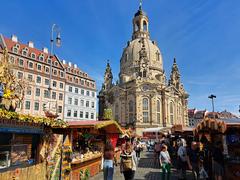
pixel 108 77
pixel 140 24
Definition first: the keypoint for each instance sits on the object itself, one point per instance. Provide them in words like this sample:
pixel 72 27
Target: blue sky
pixel 203 35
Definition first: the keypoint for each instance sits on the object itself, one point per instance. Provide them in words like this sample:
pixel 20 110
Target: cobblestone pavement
pixel 147 169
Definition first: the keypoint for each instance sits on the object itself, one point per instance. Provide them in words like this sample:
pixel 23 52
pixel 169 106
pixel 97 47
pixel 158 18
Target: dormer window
pixel 15 49
pixel 25 51
pixel 56 63
pixel 49 61
pixel 33 56
pixel 41 57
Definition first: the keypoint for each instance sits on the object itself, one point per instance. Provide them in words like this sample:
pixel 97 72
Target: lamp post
pixel 212 97
pixel 56 29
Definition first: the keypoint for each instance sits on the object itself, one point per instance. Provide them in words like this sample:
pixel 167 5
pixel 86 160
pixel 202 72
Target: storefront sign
pixel 22 130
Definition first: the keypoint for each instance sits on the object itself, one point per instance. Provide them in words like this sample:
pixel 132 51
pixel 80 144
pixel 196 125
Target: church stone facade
pixel 142 97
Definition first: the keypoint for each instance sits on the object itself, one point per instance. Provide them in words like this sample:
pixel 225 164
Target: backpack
pixel 127 162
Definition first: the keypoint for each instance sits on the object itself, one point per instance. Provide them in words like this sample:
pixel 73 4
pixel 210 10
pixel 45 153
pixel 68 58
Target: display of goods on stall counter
pixel 87 156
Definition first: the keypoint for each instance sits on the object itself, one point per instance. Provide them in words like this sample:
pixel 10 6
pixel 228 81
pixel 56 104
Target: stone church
pixel 142 97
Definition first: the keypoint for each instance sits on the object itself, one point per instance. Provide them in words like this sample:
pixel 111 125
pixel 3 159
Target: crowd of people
pixel 200 159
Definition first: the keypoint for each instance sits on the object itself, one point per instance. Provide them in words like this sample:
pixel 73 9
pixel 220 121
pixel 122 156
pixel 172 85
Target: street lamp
pixel 56 29
pixel 212 97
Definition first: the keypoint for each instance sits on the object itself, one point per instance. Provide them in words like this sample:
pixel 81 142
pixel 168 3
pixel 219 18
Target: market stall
pixel 88 139
pixel 226 131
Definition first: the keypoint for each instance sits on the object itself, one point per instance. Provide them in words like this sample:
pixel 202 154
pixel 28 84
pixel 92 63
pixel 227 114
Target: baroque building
pixel 73 92
pixel 142 97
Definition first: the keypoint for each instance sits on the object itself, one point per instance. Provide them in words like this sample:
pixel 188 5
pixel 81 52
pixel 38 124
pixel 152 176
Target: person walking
pixel 165 162
pixel 138 150
pixel 182 158
pixel 108 163
pixel 218 161
pixel 193 159
pixel 128 162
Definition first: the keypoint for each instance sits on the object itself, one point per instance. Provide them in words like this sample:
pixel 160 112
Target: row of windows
pixel 37 106
pixel 76 101
pixel 32 55
pixel 80 91
pixel 80 114
pixel 80 81
pixel 46 93
pixel 39 67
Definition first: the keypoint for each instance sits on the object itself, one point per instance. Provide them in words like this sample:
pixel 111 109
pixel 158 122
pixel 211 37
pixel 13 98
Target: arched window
pixel 130 109
pixel 33 56
pixel 158 111
pixel 25 51
pixel 171 113
pixel 137 26
pixel 144 26
pixel 145 109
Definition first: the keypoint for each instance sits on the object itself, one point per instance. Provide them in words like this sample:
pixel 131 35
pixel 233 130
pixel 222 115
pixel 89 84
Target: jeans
pixel 166 168
pixel 108 169
pixel 108 173
pixel 129 175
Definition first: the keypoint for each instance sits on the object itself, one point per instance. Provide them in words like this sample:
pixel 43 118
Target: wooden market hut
pixel 24 145
pixel 88 139
pixel 226 131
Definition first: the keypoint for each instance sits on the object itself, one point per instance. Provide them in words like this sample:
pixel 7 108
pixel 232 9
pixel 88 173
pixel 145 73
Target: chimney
pixel 45 50
pixel 14 38
pixel 64 62
pixel 30 44
pixel 70 64
pixel 75 66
